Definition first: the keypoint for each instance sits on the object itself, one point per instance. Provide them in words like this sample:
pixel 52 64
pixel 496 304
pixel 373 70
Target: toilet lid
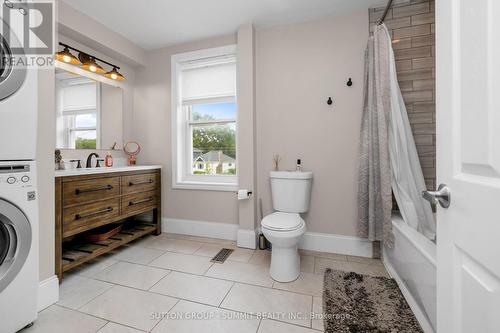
pixel 282 221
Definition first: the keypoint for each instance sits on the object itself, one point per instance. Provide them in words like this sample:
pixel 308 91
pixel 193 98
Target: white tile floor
pixel 168 284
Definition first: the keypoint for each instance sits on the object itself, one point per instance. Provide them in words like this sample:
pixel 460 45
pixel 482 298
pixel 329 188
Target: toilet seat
pixel 280 221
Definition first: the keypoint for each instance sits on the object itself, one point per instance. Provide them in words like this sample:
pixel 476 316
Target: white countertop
pixel 91 171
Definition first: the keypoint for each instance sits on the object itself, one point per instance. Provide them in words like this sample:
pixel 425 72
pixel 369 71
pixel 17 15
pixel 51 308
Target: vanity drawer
pixel 80 191
pixel 139 183
pixel 138 202
pixel 80 218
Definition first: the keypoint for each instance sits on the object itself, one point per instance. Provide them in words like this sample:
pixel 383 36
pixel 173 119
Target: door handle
pixel 441 196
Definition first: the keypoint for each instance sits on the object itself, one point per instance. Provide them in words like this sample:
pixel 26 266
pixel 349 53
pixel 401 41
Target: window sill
pixel 205 186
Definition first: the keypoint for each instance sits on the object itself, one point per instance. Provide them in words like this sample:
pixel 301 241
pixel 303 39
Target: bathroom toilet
pixel 291 193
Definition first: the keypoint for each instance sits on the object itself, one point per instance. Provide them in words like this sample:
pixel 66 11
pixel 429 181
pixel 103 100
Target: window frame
pixel 182 162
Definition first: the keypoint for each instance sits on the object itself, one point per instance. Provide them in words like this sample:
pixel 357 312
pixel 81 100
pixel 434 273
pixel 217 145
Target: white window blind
pixel 209 81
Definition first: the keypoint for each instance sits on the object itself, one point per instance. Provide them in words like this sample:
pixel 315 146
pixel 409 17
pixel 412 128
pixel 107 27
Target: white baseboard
pixel 417 311
pixel 200 228
pixel 247 238
pixel 312 241
pixel 331 243
pixel 48 292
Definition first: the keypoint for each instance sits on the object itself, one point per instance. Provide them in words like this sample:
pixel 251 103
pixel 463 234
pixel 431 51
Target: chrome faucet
pixel 89 160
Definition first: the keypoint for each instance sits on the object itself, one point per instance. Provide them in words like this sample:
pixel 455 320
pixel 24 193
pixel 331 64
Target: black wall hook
pixel 329 101
pixel 349 82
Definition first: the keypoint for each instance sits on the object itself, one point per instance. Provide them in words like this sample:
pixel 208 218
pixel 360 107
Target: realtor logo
pixel 28 27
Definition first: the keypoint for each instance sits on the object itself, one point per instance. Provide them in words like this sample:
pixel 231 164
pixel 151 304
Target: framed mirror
pixel 89 113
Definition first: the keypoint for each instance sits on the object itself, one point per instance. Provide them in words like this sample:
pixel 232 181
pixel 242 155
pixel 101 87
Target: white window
pixel 78 113
pixel 204 119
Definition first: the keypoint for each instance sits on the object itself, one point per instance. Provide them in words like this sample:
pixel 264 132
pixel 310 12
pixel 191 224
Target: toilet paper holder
pixel 243 194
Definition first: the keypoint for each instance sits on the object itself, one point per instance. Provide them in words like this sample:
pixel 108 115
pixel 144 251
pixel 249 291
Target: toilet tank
pixel 291 191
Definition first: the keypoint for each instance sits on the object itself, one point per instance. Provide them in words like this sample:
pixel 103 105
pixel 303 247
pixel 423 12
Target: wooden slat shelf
pixel 79 252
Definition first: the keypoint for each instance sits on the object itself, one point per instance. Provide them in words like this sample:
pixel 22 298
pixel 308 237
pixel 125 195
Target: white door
pixel 468 161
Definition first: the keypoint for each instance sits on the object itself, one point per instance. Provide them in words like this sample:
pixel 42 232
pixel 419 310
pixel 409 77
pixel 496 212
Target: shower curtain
pixel 388 156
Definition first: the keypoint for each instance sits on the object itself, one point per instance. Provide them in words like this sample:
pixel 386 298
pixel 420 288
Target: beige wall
pixel 45 164
pixel 152 123
pixel 298 67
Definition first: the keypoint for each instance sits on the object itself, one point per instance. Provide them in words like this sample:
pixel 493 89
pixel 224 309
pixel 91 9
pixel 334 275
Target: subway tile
pixel 409 107
pixel 421 118
pixel 426 150
pixel 403 65
pixel 417 52
pixel 426 84
pixel 427 161
pixel 415 9
pixel 422 18
pixel 404 43
pixel 429 172
pixel 425 40
pixel 398 23
pixel 413 31
pixel 415 74
pixel 419 63
pixel 424 129
pixel 406 85
pixel 423 139
pixel 424 107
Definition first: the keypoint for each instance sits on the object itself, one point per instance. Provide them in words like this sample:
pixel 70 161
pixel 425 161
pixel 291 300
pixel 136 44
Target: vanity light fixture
pixel 114 75
pixel 66 56
pixel 88 62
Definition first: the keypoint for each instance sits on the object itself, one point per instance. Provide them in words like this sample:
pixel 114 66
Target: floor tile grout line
pixel 162 319
pixel 206 276
pixel 224 298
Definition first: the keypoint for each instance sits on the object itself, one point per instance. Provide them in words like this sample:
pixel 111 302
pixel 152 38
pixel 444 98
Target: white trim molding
pixel 200 228
pixel 320 242
pixel 331 243
pixel 48 292
pixel 247 238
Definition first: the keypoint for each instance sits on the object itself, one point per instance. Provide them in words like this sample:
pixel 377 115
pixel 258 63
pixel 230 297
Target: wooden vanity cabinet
pixel 85 202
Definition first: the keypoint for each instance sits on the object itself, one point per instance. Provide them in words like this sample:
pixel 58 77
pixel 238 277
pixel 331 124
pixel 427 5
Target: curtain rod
pixel 389 4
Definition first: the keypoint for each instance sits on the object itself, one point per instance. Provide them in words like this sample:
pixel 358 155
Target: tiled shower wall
pixel 411 25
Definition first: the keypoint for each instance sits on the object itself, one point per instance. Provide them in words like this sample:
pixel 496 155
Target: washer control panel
pixel 15 175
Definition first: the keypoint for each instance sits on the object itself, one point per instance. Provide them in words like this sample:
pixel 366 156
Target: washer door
pixel 12 71
pixel 15 242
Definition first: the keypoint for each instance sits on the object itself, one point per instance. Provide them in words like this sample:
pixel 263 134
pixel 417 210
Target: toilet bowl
pixel 284 231
pixel 291 191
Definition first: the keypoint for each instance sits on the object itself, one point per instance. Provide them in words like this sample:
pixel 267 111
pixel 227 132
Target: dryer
pixel 18 100
pixel 18 245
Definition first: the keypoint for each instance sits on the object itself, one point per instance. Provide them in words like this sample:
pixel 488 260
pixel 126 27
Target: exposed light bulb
pixel 114 76
pixel 92 68
pixel 67 58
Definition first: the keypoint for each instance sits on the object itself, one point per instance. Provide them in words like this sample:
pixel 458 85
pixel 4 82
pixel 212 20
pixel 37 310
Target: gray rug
pixel 360 303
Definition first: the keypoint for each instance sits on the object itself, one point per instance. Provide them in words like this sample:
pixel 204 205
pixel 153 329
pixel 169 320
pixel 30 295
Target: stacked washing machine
pixel 18 189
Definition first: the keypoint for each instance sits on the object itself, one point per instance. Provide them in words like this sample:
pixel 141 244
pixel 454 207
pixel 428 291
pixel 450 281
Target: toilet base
pixel 285 264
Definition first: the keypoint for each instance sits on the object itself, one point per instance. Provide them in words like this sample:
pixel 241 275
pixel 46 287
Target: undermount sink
pixel 88 171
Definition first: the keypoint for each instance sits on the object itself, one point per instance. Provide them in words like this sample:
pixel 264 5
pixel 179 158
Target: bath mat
pixel 360 303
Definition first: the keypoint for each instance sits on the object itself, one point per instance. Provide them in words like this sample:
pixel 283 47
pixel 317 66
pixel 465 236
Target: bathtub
pixel 412 263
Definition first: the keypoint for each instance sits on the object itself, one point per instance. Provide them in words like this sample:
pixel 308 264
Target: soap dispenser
pixel 109 160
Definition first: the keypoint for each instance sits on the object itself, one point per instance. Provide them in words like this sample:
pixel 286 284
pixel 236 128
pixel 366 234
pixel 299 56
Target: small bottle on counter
pixel 299 165
pixel 109 160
